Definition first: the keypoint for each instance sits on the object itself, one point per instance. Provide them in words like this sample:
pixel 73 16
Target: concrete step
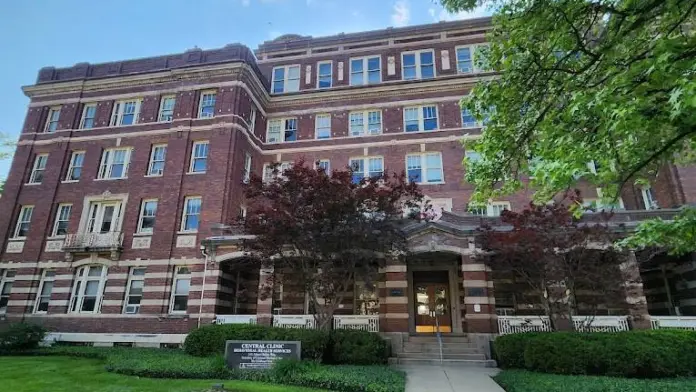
pixel 444 362
pixel 434 348
pixel 470 357
pixel 433 339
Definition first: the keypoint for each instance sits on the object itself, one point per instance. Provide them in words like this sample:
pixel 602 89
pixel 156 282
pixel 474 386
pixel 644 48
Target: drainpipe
pixel 205 273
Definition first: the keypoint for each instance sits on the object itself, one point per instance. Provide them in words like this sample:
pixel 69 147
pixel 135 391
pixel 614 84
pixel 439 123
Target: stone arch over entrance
pixel 237 284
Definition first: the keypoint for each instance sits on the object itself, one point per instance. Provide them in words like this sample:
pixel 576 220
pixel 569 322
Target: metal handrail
pixel 437 333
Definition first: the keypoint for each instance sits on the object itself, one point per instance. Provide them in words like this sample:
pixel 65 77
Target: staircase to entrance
pixel 457 350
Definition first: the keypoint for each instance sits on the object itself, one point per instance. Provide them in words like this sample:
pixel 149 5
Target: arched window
pixel 88 289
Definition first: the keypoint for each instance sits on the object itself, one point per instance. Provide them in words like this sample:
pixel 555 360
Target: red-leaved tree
pixel 323 231
pixel 564 264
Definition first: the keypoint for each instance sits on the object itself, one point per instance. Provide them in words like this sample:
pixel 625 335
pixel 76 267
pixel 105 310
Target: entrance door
pixel 432 301
pixel 103 223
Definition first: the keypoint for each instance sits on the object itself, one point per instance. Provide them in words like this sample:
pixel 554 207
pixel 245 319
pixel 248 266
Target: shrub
pixel 644 354
pixel 21 336
pixel 358 348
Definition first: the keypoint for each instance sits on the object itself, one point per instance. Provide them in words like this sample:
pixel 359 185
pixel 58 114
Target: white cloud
pixel 402 13
pixel 478 12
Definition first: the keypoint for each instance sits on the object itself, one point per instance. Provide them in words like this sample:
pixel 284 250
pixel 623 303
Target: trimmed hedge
pixel 337 347
pixel 639 354
pixel 21 336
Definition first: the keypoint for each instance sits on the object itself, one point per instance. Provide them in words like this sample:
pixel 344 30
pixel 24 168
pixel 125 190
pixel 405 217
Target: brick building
pixel 124 169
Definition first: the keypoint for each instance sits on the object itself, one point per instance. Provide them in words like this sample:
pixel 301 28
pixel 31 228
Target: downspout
pixel 205 273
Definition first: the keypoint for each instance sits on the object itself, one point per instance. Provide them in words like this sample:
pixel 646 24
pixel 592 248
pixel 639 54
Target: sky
pixel 61 33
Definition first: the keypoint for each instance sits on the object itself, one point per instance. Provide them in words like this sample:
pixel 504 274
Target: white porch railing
pixel 673 322
pixel 294 321
pixel 600 323
pixel 235 319
pixel 359 322
pixel 520 324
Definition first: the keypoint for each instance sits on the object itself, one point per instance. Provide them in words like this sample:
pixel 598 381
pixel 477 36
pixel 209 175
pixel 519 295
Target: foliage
pixel 63 374
pixel 525 381
pixel 358 348
pixel 609 81
pixel 509 349
pixel 351 378
pixel 210 339
pixel 637 354
pixel 21 336
pixel 677 236
pixel 323 231
pixel 557 260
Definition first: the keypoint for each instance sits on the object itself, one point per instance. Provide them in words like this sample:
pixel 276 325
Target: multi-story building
pixel 124 171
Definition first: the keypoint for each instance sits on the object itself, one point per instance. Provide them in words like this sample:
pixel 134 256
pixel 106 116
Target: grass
pixel 525 381
pixel 69 374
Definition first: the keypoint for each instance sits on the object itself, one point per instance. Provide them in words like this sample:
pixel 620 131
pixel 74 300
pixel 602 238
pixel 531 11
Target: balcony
pixel 93 242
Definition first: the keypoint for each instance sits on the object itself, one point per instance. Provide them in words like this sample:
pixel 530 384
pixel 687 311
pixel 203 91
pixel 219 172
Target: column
pixel 393 297
pixel 635 297
pixel 479 300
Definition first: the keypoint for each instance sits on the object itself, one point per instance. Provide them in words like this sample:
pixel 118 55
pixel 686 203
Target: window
pixel 88 289
pixel 479 210
pixel 125 112
pixel 649 199
pixel 325 165
pixel 324 74
pixel 425 168
pixel 180 290
pixel 114 163
pixel 157 157
pixel 38 169
pixel 45 289
pixel 103 217
pixel 89 112
pixel 286 79
pixel 469 59
pixel 282 130
pixel 322 126
pixel 52 119
pixel 366 167
pixel 268 174
pixel 252 120
pixel 146 222
pixel 246 175
pixel 134 291
pixel 423 118
pixel 199 157
pixel 366 300
pixel 192 210
pixel 60 226
pixel 496 208
pixel 365 123
pixel 365 70
pixel 468 120
pixel 418 65
pixel 473 156
pixel 206 106
pixel 23 222
pixel 166 112
pixel 7 278
pixel 75 167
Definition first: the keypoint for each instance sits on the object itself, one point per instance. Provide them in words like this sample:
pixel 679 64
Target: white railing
pixel 520 324
pixel 295 321
pixel 673 322
pixel 600 323
pixel 93 240
pixel 362 323
pixel 235 319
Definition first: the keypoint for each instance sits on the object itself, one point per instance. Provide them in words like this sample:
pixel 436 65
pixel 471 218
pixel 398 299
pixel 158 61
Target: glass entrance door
pixel 432 307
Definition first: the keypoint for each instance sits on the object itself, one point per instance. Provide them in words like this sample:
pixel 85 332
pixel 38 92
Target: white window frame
pixel 180 273
pixel 252 120
pixel 268 175
pixel 107 163
pixel 286 84
pixel 132 277
pixel 38 169
pixel 24 217
pixel 365 71
pixel 84 117
pixel 492 206
pixel 246 174
pixel 204 94
pixel 59 218
pixel 166 115
pixel 318 128
pixel 73 165
pixel 417 56
pixel 330 75
pixel 185 214
pixel 53 119
pixel 94 220
pixel 424 167
pixel 117 112
pixel 282 124
pixel 153 160
pixel 649 200
pixel 474 124
pixel 194 157
pixel 318 164
pixel 6 281
pixel 141 216
pixel 47 276
pixel 421 118
pixel 366 163
pixel 82 277
pixel 472 53
pixel 365 123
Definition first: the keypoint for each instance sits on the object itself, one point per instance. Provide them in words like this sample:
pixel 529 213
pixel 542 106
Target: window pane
pixel 357 125
pixel 278 86
pixel 92 288
pixel 290 130
pixel 374 122
pixel 375 167
pixel 413 166
pixel 429 118
pixel 411 116
pixel 356 66
pixel 468 119
pixel 95 270
pixel 182 286
pixel 279 74
pixel 180 303
pixel 409 60
pixel 464 60
pixel 6 288
pixel 46 288
pixel 294 72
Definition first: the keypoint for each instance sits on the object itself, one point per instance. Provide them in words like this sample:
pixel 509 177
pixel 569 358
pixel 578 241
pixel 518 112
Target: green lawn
pixel 525 381
pixel 65 374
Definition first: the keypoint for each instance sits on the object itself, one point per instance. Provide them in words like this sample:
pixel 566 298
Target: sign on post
pixel 259 354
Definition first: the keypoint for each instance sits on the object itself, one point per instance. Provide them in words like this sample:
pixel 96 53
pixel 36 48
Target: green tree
pixel 609 81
